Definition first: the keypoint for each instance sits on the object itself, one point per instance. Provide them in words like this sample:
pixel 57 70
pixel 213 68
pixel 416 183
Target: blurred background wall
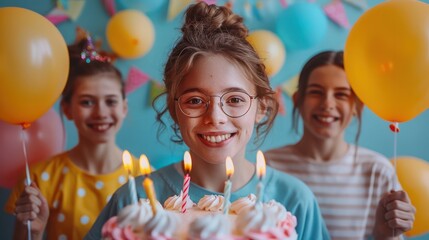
pixel 139 132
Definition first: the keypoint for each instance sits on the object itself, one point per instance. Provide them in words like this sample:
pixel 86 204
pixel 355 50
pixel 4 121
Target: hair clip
pixel 89 54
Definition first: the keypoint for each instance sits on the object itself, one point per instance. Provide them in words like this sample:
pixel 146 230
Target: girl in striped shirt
pixel 356 188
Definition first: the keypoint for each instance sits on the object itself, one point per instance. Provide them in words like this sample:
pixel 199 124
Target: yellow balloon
pixel 413 174
pixel 269 48
pixel 130 34
pixel 386 59
pixel 34 65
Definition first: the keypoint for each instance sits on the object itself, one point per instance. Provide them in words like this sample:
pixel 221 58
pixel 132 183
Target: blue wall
pixel 139 131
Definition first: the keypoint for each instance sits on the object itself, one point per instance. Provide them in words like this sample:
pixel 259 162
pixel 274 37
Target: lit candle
pixel 147 182
pixel 128 165
pixel 260 171
pixel 228 184
pixel 187 165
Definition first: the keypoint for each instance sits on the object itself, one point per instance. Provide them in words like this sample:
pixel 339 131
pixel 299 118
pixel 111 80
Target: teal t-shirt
pixel 285 189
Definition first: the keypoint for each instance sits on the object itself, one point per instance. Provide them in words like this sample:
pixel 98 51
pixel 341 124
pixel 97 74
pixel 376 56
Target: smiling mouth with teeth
pixel 217 138
pixel 100 127
pixel 326 119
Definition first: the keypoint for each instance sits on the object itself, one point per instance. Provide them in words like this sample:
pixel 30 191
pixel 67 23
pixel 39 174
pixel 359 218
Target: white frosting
pixel 212 226
pixel 258 219
pixel 212 203
pixel 174 203
pixel 162 224
pixel 278 209
pixel 254 221
pixel 243 204
pixel 135 215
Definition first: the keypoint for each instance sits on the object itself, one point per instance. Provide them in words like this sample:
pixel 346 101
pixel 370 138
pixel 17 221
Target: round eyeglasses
pixel 234 104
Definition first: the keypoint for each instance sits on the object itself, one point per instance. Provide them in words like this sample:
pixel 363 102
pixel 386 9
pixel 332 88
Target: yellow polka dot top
pixel 75 197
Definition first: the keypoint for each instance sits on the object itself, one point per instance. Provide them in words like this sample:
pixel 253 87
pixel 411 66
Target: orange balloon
pixel 413 174
pixel 269 48
pixel 34 65
pixel 130 34
pixel 386 59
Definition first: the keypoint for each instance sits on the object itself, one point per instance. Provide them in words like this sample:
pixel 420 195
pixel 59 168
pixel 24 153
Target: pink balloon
pixel 45 136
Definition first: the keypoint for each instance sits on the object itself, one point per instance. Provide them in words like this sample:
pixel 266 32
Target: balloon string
pixel 395 141
pixel 27 174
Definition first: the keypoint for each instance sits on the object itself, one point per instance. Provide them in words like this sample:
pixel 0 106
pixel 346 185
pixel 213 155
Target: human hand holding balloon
pixel 394 215
pixel 32 206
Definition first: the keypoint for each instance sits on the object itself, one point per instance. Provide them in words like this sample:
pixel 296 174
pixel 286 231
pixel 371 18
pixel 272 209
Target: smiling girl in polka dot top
pixel 70 189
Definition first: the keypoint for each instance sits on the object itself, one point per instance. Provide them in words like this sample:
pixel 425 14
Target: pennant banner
pixel 65 10
pixel 57 16
pixel 72 8
pixel 284 3
pixel 336 12
pixel 359 4
pixel 110 6
pixel 209 2
pixel 156 89
pixel 136 78
pixel 290 86
pixel 175 7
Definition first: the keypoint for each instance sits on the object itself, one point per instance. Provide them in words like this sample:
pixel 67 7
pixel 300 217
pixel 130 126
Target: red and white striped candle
pixel 187 165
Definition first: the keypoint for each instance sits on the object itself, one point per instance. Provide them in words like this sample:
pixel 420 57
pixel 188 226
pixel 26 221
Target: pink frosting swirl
pixel 288 224
pixel 273 233
pixel 111 230
pixel 263 222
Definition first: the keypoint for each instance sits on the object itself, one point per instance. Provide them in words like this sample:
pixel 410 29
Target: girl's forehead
pixel 97 82
pixel 215 73
pixel 329 75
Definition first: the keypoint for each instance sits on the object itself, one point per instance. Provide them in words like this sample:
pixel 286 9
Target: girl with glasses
pixel 217 92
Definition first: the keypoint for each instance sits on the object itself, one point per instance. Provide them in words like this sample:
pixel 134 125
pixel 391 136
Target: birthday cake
pixel 246 219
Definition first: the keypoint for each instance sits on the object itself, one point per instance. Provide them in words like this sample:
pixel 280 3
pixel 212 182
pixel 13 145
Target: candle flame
pixel 144 165
pixel 187 162
pixel 126 159
pixel 229 167
pixel 260 164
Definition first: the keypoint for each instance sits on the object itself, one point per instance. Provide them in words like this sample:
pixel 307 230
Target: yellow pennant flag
pixel 156 89
pixel 290 86
pixel 176 6
pixel 73 8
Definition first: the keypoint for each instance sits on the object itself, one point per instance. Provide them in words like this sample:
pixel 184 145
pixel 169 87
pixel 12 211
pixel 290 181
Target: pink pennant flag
pixel 110 6
pixel 284 3
pixel 279 97
pixel 209 2
pixel 136 78
pixel 57 16
pixel 336 12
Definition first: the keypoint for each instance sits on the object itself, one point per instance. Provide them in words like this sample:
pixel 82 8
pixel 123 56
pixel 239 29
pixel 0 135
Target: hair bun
pixel 210 20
